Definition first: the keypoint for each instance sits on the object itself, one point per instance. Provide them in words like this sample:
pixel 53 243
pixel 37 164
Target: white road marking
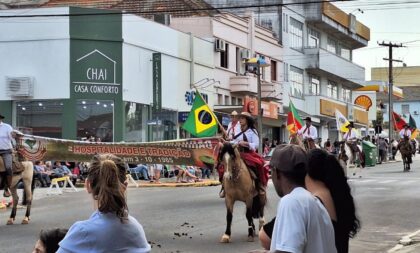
pixel 387 181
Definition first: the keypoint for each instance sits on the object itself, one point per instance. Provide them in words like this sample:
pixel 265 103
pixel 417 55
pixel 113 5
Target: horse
pixel 26 176
pixel 405 149
pixel 297 140
pixel 239 186
pixel 347 157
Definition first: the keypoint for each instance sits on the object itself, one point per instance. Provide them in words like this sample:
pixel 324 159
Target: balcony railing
pixel 244 85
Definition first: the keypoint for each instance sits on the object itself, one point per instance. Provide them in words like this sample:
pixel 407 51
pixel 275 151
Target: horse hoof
pixel 9 222
pixel 25 221
pixel 225 239
pixel 250 239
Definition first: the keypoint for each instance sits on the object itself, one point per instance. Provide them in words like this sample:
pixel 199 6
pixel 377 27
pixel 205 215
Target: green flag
pixel 201 121
pixel 412 123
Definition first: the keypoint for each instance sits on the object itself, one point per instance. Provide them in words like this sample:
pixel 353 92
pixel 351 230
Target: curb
pixel 404 241
pixel 173 184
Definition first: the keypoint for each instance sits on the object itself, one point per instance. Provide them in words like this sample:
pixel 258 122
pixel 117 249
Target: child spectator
pixel 48 240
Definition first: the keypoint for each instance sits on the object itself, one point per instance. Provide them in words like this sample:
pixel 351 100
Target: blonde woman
pixel 110 228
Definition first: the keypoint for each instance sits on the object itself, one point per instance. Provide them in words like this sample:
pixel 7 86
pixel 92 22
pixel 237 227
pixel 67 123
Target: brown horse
pixel 239 186
pixel 406 153
pixel 297 140
pixel 26 176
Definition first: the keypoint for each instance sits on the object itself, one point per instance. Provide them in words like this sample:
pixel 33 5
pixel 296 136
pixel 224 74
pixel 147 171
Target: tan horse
pixel 297 140
pixel 26 177
pixel 239 186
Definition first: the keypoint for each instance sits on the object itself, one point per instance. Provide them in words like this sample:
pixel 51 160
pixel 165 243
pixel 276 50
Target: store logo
pixel 190 96
pixel 96 74
pixel 32 149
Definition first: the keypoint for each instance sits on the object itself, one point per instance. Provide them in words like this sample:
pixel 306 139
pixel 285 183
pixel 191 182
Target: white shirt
pixel 302 225
pixel 232 131
pixel 252 139
pixel 310 132
pixel 5 136
pixel 407 133
pixel 350 135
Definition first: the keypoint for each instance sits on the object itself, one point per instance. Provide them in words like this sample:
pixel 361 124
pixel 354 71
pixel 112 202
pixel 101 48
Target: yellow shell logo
pixel 364 101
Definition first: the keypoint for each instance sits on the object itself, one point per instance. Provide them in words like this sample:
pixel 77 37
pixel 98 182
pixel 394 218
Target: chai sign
pixel 96 74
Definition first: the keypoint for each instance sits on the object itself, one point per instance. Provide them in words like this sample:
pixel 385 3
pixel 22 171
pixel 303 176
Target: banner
pixel 199 152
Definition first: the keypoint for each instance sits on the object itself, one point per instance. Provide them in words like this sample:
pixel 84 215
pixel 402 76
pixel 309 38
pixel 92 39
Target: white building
pixel 115 77
pixel 237 39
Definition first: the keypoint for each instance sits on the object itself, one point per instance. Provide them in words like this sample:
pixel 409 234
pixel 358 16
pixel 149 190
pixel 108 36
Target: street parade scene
pixel 209 126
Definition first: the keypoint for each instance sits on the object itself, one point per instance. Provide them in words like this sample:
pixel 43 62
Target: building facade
pixel 236 40
pixel 114 77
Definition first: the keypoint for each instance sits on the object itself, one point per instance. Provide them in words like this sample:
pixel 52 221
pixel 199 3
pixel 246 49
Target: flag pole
pixel 214 116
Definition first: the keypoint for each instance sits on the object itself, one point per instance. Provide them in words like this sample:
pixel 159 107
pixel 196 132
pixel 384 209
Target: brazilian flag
pixel 201 121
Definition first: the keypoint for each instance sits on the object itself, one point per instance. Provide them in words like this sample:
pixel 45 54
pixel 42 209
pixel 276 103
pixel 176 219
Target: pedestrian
pixel 110 228
pixel 302 223
pixel 383 147
pixel 328 146
pixel 48 240
pixel 6 149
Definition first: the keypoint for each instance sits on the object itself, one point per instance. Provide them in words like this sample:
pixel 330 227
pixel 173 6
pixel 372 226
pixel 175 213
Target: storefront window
pixel 41 118
pixel 164 125
pixel 136 116
pixel 95 119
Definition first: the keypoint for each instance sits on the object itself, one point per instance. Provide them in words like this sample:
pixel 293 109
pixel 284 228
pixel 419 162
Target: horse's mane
pixel 227 148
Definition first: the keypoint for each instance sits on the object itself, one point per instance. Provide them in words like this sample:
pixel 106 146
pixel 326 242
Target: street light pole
pixel 260 110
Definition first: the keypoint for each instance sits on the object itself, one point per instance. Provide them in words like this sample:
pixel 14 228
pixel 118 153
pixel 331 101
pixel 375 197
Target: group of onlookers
pixel 44 172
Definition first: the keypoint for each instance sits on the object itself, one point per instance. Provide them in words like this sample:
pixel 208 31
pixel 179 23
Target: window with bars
pixel 313 38
pixel 346 94
pixel 296 34
pixel 296 81
pixel 314 85
pixel 332 89
pixel 332 45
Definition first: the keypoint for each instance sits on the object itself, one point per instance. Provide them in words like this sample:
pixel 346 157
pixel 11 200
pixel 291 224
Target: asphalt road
pixel 387 201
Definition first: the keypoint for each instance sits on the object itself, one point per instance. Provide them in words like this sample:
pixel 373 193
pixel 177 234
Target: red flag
pixel 398 121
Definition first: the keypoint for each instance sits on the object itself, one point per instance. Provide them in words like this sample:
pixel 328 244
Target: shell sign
pixel 364 101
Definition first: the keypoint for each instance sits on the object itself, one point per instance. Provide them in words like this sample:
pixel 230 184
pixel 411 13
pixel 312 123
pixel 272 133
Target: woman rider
pixel 248 141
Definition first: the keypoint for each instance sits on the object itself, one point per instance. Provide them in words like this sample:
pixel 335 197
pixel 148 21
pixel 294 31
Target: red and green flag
pixel 398 121
pixel 413 127
pixel 294 122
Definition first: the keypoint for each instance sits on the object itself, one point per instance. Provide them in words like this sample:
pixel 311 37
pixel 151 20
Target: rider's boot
pixel 8 183
pixel 222 192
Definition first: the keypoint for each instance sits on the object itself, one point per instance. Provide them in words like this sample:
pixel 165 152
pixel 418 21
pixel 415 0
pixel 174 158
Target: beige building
pixel 403 76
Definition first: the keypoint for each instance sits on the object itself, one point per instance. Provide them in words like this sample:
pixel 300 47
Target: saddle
pixel 17 166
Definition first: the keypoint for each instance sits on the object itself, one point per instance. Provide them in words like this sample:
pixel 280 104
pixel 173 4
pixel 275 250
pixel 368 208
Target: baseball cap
pixel 287 156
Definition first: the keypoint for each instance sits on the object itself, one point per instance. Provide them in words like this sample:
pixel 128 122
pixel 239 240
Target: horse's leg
pixel 15 198
pixel 28 190
pixel 229 216
pixel 261 220
pixel 251 226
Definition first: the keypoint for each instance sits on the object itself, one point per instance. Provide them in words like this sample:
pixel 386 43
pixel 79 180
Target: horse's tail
pixel 258 204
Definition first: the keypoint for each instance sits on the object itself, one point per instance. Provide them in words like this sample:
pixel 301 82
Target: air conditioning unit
pixel 220 45
pixel 245 54
pixel 416 113
pixel 20 86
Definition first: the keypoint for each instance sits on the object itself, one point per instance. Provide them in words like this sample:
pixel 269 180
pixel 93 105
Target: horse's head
pixel 230 157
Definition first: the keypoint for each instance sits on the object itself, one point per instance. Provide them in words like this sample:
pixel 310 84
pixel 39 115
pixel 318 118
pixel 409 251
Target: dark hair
pixel 326 168
pixel 107 175
pixel 250 123
pixel 51 237
pixel 296 175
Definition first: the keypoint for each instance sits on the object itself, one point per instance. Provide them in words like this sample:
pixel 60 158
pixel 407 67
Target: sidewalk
pixel 408 244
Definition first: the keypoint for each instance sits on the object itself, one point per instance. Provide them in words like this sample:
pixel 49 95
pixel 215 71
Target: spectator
pixel 327 146
pixel 274 143
pixel 302 223
pixel 157 171
pixel 185 174
pixel 110 228
pixel 41 174
pixel 48 240
pixel 141 169
pixel 383 148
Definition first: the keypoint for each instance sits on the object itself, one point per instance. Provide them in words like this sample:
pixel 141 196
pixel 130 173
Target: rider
pixel 234 126
pixel 309 133
pixel 351 139
pixel 248 141
pixel 6 150
pixel 405 133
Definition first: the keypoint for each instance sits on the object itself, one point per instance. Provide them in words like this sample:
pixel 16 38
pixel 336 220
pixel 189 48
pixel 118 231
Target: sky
pixel 396 23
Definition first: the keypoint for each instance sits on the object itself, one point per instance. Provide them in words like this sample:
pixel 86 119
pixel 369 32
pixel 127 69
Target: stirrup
pixel 6 193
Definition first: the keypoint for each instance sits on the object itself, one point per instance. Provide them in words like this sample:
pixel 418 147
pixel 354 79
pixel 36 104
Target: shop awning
pixel 397 92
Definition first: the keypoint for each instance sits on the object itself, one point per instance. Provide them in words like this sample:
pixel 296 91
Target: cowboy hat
pixel 245 114
pixel 1 116
pixel 350 125
pixel 234 113
pixel 308 119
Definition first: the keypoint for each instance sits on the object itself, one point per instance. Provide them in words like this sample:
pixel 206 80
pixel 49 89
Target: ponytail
pixel 107 178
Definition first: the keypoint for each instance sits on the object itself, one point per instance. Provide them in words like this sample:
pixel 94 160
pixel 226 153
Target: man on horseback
pixel 6 151
pixel 234 127
pixel 309 134
pixel 404 145
pixel 247 141
pixel 350 139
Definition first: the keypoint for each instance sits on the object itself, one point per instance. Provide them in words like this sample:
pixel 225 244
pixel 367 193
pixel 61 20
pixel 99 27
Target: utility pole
pixel 390 85
pixel 260 110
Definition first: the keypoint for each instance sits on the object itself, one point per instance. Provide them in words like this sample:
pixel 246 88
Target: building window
pixel 240 101
pixel 136 116
pixel 313 38
pixel 286 72
pixel 233 100
pixel 95 118
pixel 332 46
pixel 227 102
pixel 224 57
pixel 219 99
pixel 285 23
pixel 273 70
pixel 345 53
pixel 43 118
pixel 296 34
pixel 346 94
pixel 314 85
pixel 405 109
pixel 332 89
pixel 296 81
